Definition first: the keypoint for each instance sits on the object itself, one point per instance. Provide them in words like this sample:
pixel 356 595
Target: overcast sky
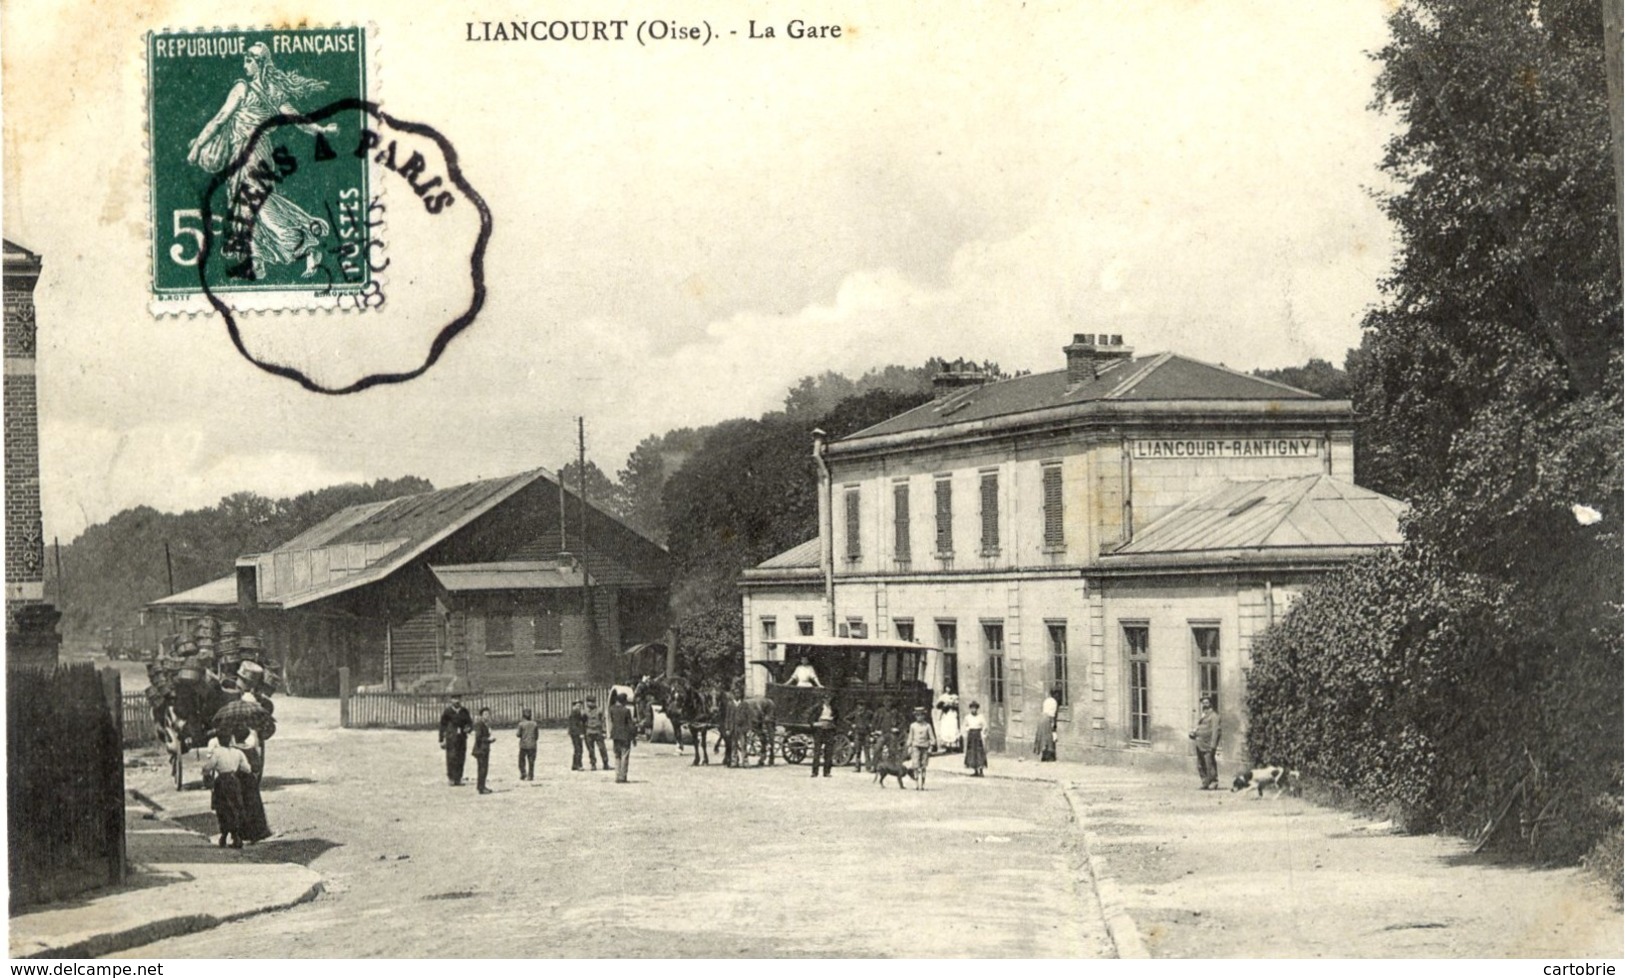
pixel 682 232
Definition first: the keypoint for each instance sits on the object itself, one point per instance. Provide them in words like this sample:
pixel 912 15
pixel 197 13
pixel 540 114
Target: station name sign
pixel 1225 447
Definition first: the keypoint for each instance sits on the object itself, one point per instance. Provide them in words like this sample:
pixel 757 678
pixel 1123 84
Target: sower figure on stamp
pixel 455 724
pixel 278 230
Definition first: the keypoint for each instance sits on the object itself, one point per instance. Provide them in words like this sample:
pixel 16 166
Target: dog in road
pixel 1284 780
pixel 889 759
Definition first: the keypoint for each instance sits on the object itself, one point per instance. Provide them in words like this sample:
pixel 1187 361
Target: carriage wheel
pixel 843 751
pixel 751 745
pixel 796 747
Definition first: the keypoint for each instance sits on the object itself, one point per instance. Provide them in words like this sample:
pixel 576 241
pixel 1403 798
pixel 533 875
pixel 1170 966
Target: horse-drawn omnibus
pixel 882 674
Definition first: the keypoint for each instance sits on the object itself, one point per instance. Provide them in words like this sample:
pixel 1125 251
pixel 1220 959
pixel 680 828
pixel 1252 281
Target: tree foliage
pixel 1317 377
pixel 1472 678
pixel 751 491
pixel 112 569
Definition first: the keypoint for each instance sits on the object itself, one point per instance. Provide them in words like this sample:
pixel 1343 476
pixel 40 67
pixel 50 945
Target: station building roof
pixel 1160 377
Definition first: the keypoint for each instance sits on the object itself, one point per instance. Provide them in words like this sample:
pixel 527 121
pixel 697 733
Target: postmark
pixel 282 226
pixel 342 245
pixel 424 201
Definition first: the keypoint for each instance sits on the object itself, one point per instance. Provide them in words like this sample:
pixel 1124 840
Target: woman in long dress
pixel 235 798
pixel 281 232
pixel 975 729
pixel 948 721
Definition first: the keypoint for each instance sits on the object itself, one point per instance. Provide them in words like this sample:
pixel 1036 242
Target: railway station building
pixel 1119 530
pixel 503 584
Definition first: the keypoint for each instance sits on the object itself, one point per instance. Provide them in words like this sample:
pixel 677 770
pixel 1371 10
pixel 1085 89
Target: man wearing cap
pixel 623 731
pixel 482 748
pixel 1205 738
pixel 823 719
pixel 578 733
pixel 455 724
pixel 595 734
pixel 921 740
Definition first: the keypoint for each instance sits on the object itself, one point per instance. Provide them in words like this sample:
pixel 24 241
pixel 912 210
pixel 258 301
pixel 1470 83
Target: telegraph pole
pixel 586 581
pixel 169 568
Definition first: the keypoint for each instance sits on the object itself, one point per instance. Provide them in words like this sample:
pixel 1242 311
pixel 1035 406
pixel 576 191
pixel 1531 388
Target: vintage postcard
pixel 844 480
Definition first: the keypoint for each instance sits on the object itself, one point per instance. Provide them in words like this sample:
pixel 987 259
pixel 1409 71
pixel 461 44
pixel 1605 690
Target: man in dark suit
pixel 482 748
pixel 857 723
pixel 455 724
pixel 622 732
pixel 824 724
pixel 578 733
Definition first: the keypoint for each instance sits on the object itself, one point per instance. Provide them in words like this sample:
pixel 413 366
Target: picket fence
pixel 139 728
pixel 421 711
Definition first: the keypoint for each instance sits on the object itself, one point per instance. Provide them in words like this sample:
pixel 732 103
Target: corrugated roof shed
pixel 1303 512
pixel 507 575
pixel 221 592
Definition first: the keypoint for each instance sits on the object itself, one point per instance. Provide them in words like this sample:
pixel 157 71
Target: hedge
pixel 1452 700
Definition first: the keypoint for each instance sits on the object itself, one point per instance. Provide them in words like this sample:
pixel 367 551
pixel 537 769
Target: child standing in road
pixel 482 747
pixel 528 731
pixel 921 740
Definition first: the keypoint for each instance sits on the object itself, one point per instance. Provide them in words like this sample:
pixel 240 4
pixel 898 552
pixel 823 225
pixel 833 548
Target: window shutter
pixel 945 516
pixel 900 543
pixel 990 511
pixel 1054 535
pixel 854 543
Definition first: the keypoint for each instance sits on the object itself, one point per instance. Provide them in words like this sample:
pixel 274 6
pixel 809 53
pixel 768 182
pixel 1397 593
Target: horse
pixel 700 709
pixel 670 696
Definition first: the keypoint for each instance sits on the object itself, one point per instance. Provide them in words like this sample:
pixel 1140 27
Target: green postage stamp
pixel 260 194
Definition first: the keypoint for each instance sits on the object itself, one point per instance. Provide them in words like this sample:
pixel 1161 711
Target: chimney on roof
pixel 957 376
pixel 1090 353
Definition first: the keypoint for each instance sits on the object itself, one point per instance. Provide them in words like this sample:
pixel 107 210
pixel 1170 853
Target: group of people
pixel 877 736
pixel 880 739
pixel 233 770
pixel 587 725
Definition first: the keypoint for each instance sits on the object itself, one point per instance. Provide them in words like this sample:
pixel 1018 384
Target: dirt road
pixel 680 863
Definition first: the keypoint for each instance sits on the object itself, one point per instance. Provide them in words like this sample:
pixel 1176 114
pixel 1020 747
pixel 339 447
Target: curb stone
pixel 1124 932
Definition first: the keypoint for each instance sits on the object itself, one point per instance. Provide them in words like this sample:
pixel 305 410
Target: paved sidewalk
pixel 179 882
pixel 1183 873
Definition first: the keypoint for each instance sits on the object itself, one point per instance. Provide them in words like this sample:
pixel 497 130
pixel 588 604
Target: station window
pixel 854 539
pixel 549 630
pixel 1205 649
pixel 498 631
pixel 804 624
pixel 1137 653
pixel 900 530
pixel 770 631
pixel 1054 528
pixel 945 517
pixel 990 513
pixel 1059 680
pixel 993 645
pixel 948 641
pixel 904 627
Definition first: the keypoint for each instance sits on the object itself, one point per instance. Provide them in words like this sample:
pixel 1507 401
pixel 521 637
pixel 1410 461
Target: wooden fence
pixel 139 728
pixel 64 782
pixel 421 711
